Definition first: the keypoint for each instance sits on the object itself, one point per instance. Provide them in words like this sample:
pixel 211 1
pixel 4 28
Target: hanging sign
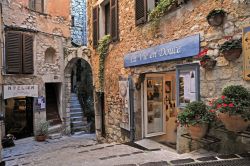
pixel 124 94
pixel 178 49
pixel 246 52
pixel 11 91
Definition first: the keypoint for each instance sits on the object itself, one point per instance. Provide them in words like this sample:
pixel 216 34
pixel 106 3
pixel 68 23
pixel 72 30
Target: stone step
pixel 79 123
pixel 75 110
pixel 73 94
pixel 76 114
pixel 79 128
pixel 75 106
pixel 55 129
pixel 55 136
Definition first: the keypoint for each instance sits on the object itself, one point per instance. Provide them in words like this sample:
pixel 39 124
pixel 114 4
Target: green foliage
pixel 103 47
pixel 162 7
pixel 42 128
pixel 215 12
pixel 235 101
pixel 231 44
pixel 195 113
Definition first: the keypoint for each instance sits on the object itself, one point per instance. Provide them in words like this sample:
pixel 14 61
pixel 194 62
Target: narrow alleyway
pixel 83 150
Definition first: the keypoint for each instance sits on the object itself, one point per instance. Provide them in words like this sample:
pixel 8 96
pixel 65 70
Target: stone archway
pixel 72 56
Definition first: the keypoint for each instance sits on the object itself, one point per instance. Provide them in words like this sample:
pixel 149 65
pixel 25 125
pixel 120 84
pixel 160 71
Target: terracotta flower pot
pixel 232 54
pixel 216 20
pixel 40 138
pixel 233 123
pixel 197 131
pixel 208 64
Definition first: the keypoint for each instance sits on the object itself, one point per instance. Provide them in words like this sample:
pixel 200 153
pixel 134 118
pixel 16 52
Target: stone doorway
pixel 79 96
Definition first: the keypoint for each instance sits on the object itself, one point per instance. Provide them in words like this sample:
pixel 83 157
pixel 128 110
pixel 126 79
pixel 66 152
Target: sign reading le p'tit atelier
pixel 246 52
pixel 20 90
pixel 178 49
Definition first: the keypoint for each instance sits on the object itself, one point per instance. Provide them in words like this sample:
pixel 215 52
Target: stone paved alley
pixel 83 150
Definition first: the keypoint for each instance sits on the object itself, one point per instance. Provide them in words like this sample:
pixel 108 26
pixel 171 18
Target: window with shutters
pixel 18 53
pixel 142 8
pixel 37 5
pixel 105 20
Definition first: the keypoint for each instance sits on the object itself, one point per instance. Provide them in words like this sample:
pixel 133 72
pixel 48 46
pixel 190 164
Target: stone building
pixel 151 72
pixel 34 37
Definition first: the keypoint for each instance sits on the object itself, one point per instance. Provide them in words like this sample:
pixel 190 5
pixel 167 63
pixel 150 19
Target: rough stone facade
pixel 184 21
pixel 79 27
pixel 51 29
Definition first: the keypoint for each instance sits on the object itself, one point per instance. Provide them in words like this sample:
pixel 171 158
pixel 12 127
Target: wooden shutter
pixel 39 5
pixel 95 32
pixel 13 52
pixel 114 19
pixel 140 11
pixel 32 4
pixel 28 67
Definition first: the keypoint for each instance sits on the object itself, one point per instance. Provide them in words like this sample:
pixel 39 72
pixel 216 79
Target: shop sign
pixel 246 53
pixel 183 48
pixel 20 90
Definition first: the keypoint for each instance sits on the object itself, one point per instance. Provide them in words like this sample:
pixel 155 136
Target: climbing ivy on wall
pixel 103 47
pixel 162 7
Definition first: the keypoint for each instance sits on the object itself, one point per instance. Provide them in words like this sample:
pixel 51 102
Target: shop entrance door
pixel 154 115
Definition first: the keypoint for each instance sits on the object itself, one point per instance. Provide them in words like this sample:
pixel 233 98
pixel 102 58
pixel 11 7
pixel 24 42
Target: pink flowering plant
pixel 235 100
pixel 195 113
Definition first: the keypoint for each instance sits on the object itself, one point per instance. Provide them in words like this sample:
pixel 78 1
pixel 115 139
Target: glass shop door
pixel 154 114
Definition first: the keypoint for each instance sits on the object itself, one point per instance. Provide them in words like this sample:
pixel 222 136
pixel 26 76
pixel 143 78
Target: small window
pixel 107 19
pixel 37 5
pixel 188 85
pixel 19 53
pixel 50 55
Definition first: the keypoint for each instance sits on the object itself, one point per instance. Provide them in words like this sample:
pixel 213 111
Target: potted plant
pixel 231 49
pixel 216 17
pixel 207 62
pixel 196 117
pixel 42 131
pixel 233 108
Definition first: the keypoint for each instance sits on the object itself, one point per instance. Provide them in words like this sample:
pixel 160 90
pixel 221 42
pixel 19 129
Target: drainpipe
pixel 132 115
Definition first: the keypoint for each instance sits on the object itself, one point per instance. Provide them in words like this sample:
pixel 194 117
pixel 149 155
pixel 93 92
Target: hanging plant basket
pixel 216 17
pixel 207 62
pixel 234 123
pixel 231 50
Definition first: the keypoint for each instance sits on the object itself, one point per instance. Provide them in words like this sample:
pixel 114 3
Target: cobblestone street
pixel 84 151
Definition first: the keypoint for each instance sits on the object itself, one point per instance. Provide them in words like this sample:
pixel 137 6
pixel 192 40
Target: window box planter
pixel 207 62
pixel 216 17
pixel 231 50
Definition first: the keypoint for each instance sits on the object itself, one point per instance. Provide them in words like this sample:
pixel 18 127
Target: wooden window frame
pixel 23 69
pixel 32 5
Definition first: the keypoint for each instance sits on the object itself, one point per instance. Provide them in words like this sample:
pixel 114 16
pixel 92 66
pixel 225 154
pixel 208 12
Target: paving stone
pixel 209 158
pixel 182 161
pixel 161 163
pixel 228 156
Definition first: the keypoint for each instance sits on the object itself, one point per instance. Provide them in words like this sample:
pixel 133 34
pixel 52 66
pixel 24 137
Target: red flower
pixel 212 111
pixel 218 106
pixel 231 105
pixel 224 105
pixel 223 97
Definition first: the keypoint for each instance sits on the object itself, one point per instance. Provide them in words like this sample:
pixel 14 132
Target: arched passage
pixel 79 92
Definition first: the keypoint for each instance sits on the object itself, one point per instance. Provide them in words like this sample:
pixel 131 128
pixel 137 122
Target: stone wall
pixel 79 29
pixel 50 29
pixel 184 21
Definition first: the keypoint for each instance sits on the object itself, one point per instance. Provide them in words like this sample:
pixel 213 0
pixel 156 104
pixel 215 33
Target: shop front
pixel 165 82
pixel 19 115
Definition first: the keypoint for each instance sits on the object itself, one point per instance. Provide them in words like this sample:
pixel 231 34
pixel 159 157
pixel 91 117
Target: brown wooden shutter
pixel 95 34
pixel 114 19
pixel 28 67
pixel 140 11
pixel 13 52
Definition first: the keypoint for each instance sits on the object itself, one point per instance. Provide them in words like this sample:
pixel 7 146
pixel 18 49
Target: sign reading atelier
pixel 20 90
pixel 246 52
pixel 183 48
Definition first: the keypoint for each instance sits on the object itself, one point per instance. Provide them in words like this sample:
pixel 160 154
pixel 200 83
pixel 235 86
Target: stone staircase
pixel 78 121
pixel 55 131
